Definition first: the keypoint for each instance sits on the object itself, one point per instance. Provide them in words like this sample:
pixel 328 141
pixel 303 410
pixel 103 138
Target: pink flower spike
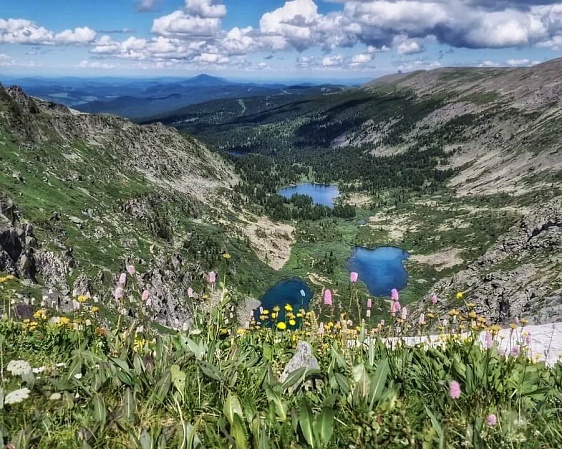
pixel 488 340
pixel 131 269
pixel 122 279
pixel 145 295
pixel 454 390
pixel 321 329
pixel 404 314
pixel 118 292
pixel 491 420
pixel 328 297
pixel 394 294
pixel 212 277
pixel 434 299
pixel 353 277
pixel 395 307
pixel 369 303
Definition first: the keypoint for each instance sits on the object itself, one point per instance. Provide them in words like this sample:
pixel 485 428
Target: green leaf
pixel 279 404
pixel 362 381
pixel 436 426
pixel 198 350
pixel 338 358
pixel 232 407
pixel 210 370
pixel 267 352
pixel 162 388
pixel 99 412
pixel 324 425
pixel 378 382
pixel 296 377
pixel 129 404
pixel 305 422
pixel 145 440
pixel 238 432
pixel 178 378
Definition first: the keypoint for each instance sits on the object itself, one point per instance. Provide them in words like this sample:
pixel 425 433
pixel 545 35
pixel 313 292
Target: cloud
pixel 406 46
pixel 179 24
pixel 146 5
pixel 5 60
pixel 488 63
pixel 205 8
pixel 95 65
pixel 25 32
pixel 362 58
pixel 211 58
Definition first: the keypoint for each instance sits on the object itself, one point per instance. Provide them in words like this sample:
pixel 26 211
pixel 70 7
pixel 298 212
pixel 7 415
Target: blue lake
pixel 293 291
pixel 323 194
pixel 381 269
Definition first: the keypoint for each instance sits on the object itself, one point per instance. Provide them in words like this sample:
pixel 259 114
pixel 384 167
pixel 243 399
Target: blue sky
pixel 273 39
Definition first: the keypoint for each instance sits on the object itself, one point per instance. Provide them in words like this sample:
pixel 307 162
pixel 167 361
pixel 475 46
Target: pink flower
pixel 328 297
pixel 122 279
pixel 394 294
pixel 118 292
pixel 190 292
pixel 434 299
pixel 353 277
pixel 131 269
pixel 488 340
pixel 368 313
pixel 404 314
pixel 454 390
pixel 514 351
pixel 491 419
pixel 369 303
pixel 395 307
pixel 145 295
pixel 212 277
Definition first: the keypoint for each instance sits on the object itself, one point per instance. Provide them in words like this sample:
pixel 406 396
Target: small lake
pixel 293 291
pixel 381 269
pixel 323 194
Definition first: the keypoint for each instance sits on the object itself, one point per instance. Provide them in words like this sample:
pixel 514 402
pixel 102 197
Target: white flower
pixel 55 397
pixel 88 322
pixel 78 376
pixel 19 367
pixel 38 370
pixel 54 320
pixel 61 365
pixel 17 396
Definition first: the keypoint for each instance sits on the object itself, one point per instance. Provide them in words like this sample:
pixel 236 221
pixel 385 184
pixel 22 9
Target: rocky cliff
pixel 518 277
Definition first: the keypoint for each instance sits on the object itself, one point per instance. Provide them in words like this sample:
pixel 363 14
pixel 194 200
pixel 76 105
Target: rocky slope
pixel 518 277
pixel 83 195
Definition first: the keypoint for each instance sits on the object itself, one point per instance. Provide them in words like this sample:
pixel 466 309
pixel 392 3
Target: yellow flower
pixel 241 331
pixel 459 295
pixel 288 308
pixel 281 326
pixel 513 325
pixel 299 315
pixel 40 314
pixel 274 315
pixel 95 309
pixel 265 312
pixel 82 298
pixel 26 321
pixel 471 305
pixel 453 312
pixel 292 322
pixel 63 320
pixel 523 321
pixel 472 314
pixel 276 309
pixel 227 256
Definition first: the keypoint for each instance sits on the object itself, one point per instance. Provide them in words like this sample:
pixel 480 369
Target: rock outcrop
pixel 520 276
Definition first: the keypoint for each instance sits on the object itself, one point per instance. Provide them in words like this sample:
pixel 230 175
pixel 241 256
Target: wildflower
pixel 40 314
pixel 145 295
pixel 265 312
pixel 118 294
pixel 421 320
pixel 38 370
pixel 18 367
pixel 369 303
pixel 488 340
pixel 514 351
pixel 454 390
pixel 434 299
pixel 513 325
pixel 394 294
pixel 122 279
pixel 353 277
pixel 95 309
pixel 292 322
pixel 395 307
pixel 75 305
pixel 321 329
pixel 205 296
pixel 78 376
pixel 227 256
pixel 328 297
pixel 472 314
pixel 63 320
pixel 55 397
pixel 288 308
pixel 131 269
pixel 17 396
pixel 382 323
pixel 471 305
pixel 491 420
pixel 523 321
pixel 274 315
pixel 404 313
pixel 212 277
pixel 453 312
pixel 82 298
pixel 459 295
pixel 368 314
pixel 281 326
pixel 190 292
